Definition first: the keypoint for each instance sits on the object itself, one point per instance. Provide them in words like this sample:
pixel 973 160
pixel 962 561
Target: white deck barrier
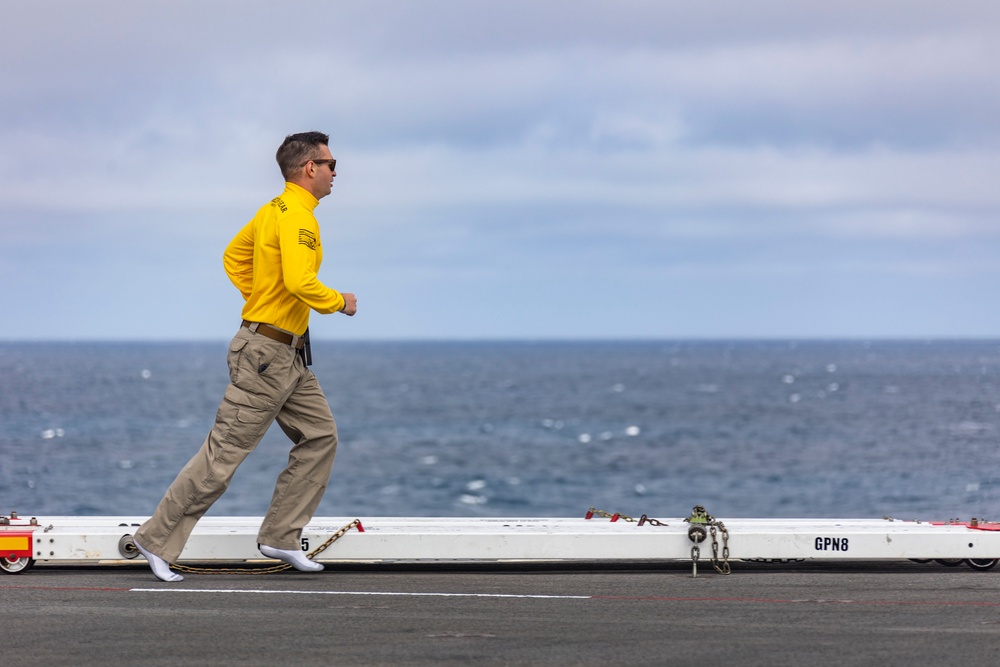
pixel 232 540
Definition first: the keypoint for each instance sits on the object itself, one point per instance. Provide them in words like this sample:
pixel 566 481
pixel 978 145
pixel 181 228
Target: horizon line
pixel 541 339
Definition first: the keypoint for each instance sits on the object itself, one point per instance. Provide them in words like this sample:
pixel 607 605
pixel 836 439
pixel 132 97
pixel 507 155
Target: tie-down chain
pixel 703 525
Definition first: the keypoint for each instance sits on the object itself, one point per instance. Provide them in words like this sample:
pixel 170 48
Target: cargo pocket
pixel 246 415
pixel 236 347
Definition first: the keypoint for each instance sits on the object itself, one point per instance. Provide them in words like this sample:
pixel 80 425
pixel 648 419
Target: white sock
pixel 160 567
pixel 293 557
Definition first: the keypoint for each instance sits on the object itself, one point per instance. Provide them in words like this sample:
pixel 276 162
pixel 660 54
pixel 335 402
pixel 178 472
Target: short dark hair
pixel 299 148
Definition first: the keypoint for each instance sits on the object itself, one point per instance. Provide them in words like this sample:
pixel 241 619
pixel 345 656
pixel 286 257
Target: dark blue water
pixel 768 429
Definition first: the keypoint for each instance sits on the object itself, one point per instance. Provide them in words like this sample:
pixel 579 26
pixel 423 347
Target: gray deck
pixel 843 613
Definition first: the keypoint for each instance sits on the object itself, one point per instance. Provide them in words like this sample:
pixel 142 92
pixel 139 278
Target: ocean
pixel 840 428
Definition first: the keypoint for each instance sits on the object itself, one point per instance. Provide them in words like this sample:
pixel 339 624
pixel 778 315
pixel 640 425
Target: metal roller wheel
pixel 15 565
pixel 981 563
pixel 127 548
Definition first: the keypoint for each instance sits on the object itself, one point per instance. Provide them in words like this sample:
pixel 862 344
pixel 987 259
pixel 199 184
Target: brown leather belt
pixel 266 330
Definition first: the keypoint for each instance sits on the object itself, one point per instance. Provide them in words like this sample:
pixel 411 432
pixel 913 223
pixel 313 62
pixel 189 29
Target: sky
pixel 510 170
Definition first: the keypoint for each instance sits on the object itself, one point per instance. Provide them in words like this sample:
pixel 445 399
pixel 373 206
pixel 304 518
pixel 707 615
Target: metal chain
pixel 725 568
pixel 267 570
pixel 699 519
pixel 607 515
pixel 592 512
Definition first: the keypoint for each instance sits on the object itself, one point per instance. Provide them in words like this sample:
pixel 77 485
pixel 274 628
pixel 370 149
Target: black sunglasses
pixel 332 163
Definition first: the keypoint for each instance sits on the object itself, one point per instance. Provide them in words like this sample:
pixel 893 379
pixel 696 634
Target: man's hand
pixel 350 304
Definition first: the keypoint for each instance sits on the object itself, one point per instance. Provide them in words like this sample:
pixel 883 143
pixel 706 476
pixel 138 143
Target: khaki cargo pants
pixel 267 381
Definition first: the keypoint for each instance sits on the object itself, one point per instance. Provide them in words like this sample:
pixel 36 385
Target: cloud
pixel 576 145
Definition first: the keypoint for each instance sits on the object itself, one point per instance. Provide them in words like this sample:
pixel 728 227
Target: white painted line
pixel 383 593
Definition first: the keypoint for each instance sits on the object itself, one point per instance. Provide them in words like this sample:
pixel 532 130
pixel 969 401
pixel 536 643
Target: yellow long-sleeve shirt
pixel 274 259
